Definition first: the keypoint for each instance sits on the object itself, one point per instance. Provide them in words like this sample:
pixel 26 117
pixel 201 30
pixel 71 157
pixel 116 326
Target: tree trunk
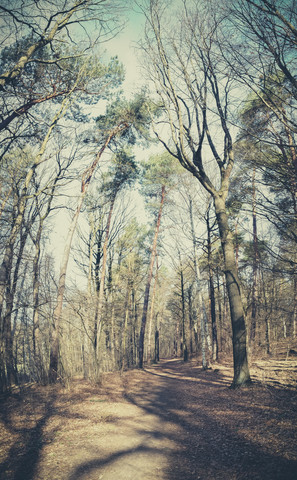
pixel 124 332
pixel 191 322
pixel 157 347
pixel 203 314
pixel 219 301
pixel 149 346
pixel 100 298
pixel 212 293
pixel 294 320
pixel 184 348
pixel 255 264
pixel 148 282
pixel 268 314
pixel 241 368
pixel 113 342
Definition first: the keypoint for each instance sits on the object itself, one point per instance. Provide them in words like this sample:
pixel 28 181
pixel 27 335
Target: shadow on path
pixel 205 431
pixel 23 456
pixel 31 420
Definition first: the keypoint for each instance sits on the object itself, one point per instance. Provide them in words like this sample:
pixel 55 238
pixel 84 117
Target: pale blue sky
pixel 123 45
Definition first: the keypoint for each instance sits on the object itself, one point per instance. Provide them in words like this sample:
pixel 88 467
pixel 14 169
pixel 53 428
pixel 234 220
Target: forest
pixel 177 202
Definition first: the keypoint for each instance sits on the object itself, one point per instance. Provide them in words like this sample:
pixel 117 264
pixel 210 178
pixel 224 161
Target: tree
pixel 123 173
pixel 189 62
pixel 160 173
pixel 271 27
pixel 123 121
pixel 40 58
pixel 211 286
pixel 149 279
pixel 6 294
pixel 29 21
pixel 267 146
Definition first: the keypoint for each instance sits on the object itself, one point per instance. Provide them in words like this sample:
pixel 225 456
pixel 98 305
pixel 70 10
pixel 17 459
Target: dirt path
pixel 171 421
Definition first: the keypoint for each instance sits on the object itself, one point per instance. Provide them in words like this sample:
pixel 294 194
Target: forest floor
pixel 171 421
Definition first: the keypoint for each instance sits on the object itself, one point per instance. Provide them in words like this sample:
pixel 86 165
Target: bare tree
pixel 194 92
pixel 120 121
pixel 44 23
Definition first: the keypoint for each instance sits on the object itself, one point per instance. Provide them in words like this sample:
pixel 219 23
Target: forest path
pixel 171 421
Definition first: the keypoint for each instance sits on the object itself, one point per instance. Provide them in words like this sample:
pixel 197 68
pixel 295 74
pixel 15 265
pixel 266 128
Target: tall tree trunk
pixel 203 314
pixel 135 325
pixel 157 346
pixel 113 343
pixel 36 339
pixel 184 340
pixel 219 301
pixel 10 296
pixel 294 320
pixel 191 320
pixel 149 346
pixel 241 368
pixel 100 298
pixel 149 280
pixel 211 292
pixel 255 263
pixel 125 330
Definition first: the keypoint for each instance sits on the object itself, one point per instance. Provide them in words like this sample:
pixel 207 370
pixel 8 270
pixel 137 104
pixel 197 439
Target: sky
pixel 123 45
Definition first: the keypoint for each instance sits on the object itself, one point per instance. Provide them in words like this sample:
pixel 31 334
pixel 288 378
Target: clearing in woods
pixel 171 421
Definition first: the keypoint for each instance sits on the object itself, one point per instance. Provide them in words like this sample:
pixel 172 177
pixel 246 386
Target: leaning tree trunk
pixel 241 369
pixel 148 282
pixel 86 178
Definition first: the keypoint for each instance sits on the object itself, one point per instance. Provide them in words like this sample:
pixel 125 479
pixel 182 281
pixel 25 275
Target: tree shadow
pixel 25 416
pixel 28 429
pixel 211 430
pixel 183 423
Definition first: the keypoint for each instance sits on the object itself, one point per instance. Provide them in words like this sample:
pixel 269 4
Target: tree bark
pixel 191 322
pixel 157 347
pixel 241 369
